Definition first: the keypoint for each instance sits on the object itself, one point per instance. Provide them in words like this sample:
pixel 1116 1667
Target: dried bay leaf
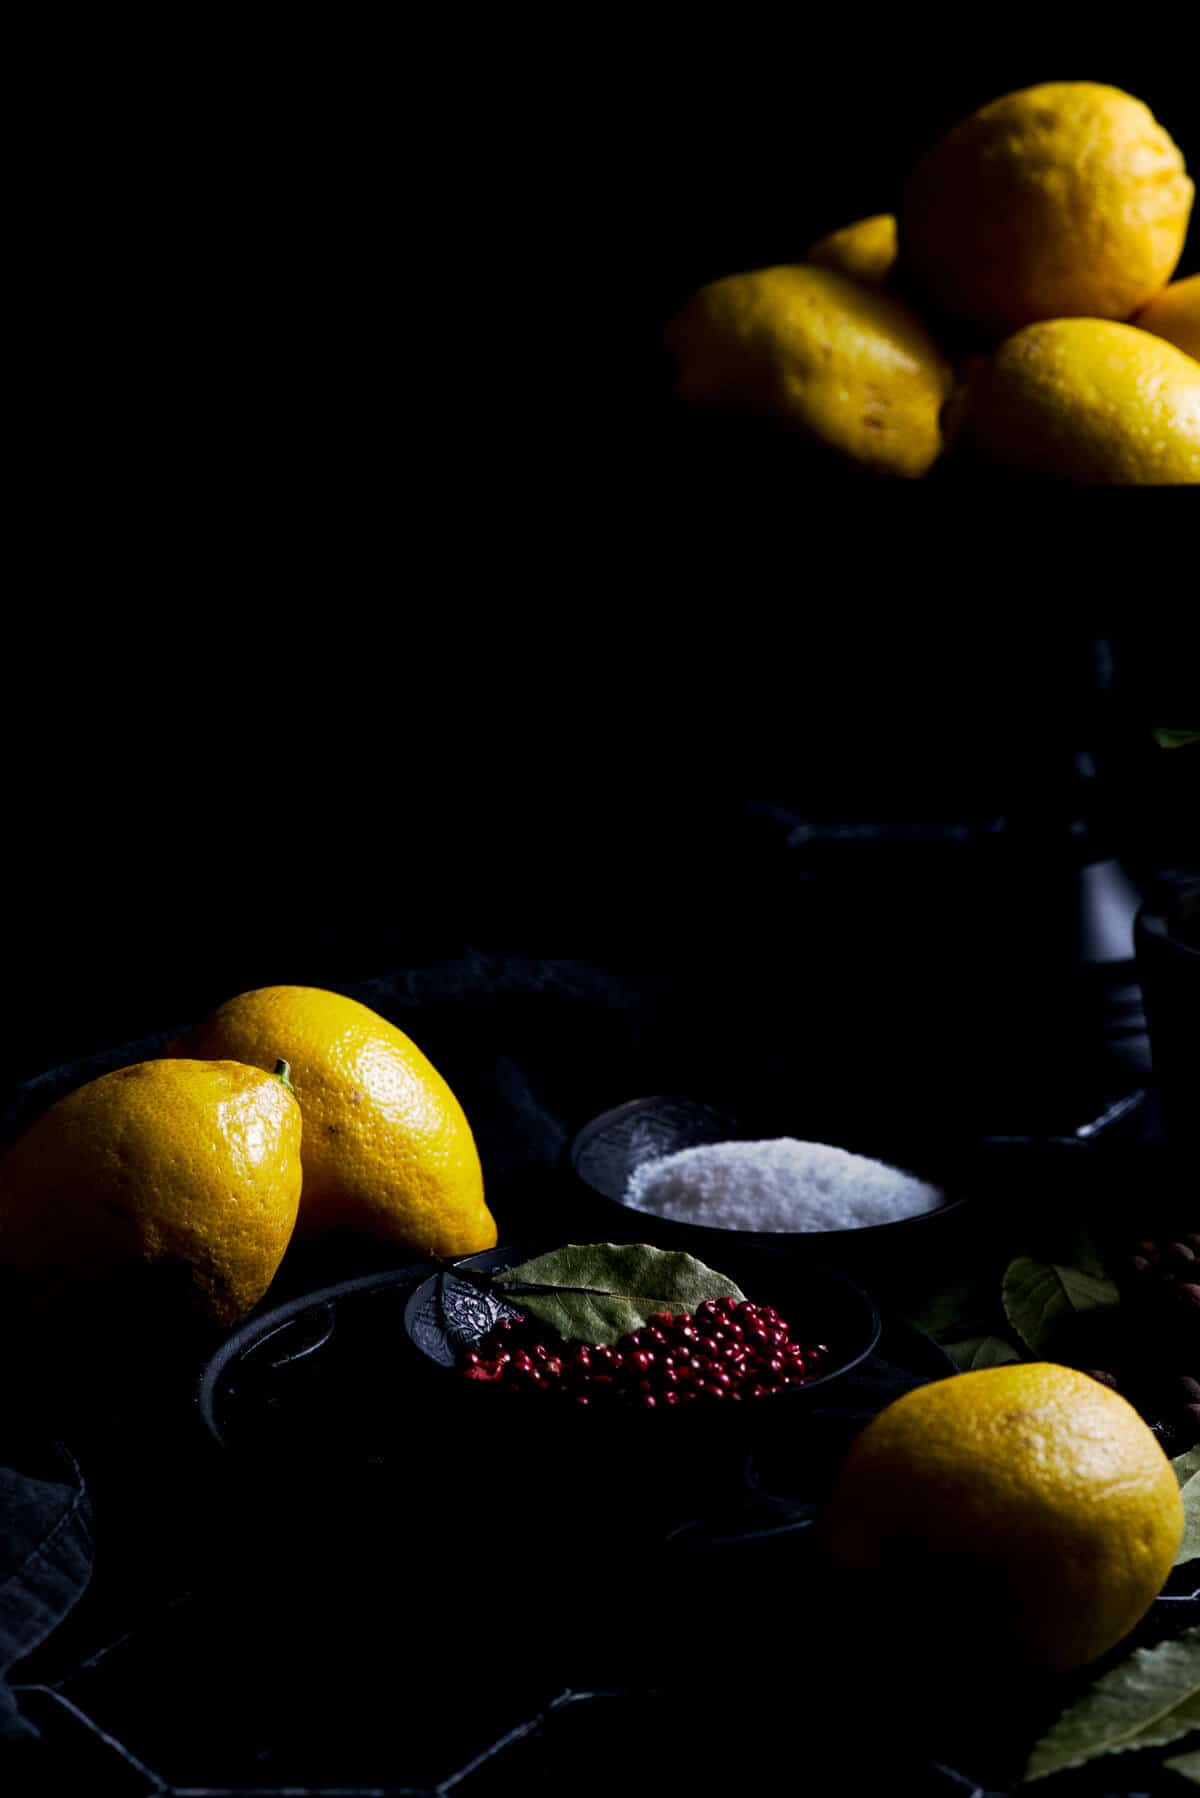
pixel 1187 1472
pixel 603 1290
pixel 1041 1296
pixel 1147 1701
pixel 1188 1765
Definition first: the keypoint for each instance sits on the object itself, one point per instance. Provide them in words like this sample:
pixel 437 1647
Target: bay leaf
pixel 1187 1472
pixel 1188 1765
pixel 605 1289
pixel 1176 739
pixel 1148 1700
pixel 980 1351
pixel 1040 1296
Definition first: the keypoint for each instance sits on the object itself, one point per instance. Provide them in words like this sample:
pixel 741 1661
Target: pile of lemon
pixel 1019 313
pixel 288 1110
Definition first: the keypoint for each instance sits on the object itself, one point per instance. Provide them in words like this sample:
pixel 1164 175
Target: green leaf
pixel 1187 1465
pixel 1040 1296
pixel 1175 739
pixel 1188 1765
pixel 606 1289
pixel 981 1351
pixel 1187 1472
pixel 1148 1700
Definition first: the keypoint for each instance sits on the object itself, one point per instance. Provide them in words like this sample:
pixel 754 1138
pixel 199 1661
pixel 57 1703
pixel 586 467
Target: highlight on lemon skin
pixel 1067 199
pixel 850 369
pixel 865 250
pixel 1084 400
pixel 1174 314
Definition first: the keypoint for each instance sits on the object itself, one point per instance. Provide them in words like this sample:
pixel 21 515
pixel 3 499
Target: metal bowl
pixel 607 1150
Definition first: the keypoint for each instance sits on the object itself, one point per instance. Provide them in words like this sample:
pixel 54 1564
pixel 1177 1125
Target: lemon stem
pixel 283 1071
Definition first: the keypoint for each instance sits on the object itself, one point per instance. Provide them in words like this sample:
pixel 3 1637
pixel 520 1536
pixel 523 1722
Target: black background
pixel 372 604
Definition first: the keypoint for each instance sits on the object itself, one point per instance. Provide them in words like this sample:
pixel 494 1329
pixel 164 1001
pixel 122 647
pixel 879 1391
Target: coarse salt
pixel 778 1185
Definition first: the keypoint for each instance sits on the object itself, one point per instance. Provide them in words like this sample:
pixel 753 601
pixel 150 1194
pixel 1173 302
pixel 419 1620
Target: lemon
pixel 1087 400
pixel 387 1150
pixel 1030 1496
pixel 195 1163
pixel 851 369
pixel 864 250
pixel 1057 201
pixel 1174 314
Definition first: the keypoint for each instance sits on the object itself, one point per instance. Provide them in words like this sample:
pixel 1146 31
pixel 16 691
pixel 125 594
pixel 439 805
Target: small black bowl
pixel 606 1151
pixel 623 1461
pixel 324 1381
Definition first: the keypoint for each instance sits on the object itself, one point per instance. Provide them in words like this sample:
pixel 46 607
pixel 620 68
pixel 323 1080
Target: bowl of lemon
pixel 1020 315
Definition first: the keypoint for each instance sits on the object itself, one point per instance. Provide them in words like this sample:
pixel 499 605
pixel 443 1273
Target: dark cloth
pixel 45 1559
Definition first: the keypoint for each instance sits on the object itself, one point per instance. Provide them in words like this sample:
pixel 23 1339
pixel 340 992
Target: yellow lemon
pixel 387 1150
pixel 1174 314
pixel 1029 1499
pixel 1062 200
pixel 864 250
pixel 851 369
pixel 194 1163
pixel 1087 400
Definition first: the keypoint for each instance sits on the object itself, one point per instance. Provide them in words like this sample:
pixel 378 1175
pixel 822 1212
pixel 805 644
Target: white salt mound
pixel 781 1184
